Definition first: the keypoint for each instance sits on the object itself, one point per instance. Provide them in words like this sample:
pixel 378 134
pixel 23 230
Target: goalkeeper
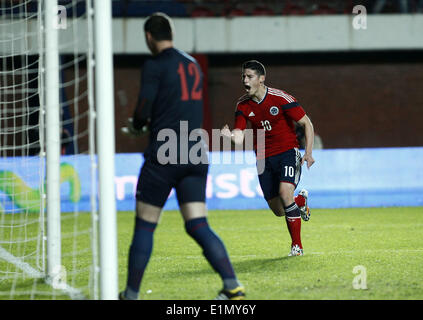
pixel 171 92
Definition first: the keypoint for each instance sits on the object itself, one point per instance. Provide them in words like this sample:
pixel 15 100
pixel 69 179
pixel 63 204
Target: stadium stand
pixel 290 7
pixel 170 7
pixel 293 9
pixel 202 11
pixel 324 9
pixel 228 8
pixel 235 11
pixel 263 10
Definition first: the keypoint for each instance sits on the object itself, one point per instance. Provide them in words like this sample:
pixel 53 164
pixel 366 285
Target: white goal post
pixel 106 148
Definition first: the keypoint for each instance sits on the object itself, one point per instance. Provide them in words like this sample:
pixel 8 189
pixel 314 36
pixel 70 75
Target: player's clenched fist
pixel 309 159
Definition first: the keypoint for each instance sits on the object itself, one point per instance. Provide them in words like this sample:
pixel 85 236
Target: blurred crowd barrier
pixel 340 178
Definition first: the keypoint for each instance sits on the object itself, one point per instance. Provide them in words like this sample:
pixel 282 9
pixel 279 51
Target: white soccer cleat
pixel 305 210
pixel 296 251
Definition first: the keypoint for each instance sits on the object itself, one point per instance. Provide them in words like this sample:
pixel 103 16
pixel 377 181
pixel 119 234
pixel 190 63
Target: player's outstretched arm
pixel 309 137
pixel 236 135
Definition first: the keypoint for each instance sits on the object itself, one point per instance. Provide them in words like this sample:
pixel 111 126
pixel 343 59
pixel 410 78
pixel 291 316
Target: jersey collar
pixel 264 97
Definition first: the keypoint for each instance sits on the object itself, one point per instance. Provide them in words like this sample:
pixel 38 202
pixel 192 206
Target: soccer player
pixel 171 93
pixel 275 111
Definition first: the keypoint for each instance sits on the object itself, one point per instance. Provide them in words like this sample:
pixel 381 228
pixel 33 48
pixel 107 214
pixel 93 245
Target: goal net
pixel 44 256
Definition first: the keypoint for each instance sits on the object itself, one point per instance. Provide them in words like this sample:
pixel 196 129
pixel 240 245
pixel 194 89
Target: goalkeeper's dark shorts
pixel 156 181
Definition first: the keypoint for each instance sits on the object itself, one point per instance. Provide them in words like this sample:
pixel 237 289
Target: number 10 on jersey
pixel 266 125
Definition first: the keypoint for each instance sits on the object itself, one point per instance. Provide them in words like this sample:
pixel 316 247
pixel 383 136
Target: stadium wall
pixel 353 104
pixel 257 34
pixel 279 34
pixel 340 178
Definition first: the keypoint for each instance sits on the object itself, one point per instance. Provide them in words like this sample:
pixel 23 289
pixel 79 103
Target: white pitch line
pixel 25 267
pixel 340 252
pixel 73 293
pixel 366 251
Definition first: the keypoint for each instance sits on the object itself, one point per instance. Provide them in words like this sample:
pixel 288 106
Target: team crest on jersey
pixel 274 111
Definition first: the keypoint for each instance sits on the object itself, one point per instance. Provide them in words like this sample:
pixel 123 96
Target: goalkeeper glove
pixel 131 131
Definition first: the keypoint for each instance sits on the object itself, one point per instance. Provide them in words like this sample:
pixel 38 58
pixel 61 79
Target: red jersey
pixel 275 114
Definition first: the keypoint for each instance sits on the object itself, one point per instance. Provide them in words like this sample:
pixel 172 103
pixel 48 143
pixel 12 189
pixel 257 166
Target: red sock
pixel 294 227
pixel 293 221
pixel 300 201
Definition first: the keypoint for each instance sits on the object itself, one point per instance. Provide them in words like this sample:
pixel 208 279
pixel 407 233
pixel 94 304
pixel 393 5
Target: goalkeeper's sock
pixel 300 200
pixel 293 221
pixel 139 255
pixel 213 249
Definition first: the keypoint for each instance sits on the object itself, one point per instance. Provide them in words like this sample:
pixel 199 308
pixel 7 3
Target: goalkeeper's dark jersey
pixel 173 81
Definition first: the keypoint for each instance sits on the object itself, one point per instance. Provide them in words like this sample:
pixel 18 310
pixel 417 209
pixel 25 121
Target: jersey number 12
pixel 196 93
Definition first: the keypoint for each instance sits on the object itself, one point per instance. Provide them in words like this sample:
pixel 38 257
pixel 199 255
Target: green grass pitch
pixel 386 242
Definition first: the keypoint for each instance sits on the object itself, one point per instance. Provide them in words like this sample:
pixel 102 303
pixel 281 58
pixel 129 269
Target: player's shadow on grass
pixel 251 265
pixel 260 264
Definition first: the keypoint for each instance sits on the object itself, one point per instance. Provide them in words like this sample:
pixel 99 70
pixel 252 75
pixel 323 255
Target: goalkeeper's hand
pixel 129 130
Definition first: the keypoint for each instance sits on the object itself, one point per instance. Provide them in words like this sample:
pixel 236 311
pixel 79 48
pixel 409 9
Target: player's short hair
pixel 160 26
pixel 258 67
